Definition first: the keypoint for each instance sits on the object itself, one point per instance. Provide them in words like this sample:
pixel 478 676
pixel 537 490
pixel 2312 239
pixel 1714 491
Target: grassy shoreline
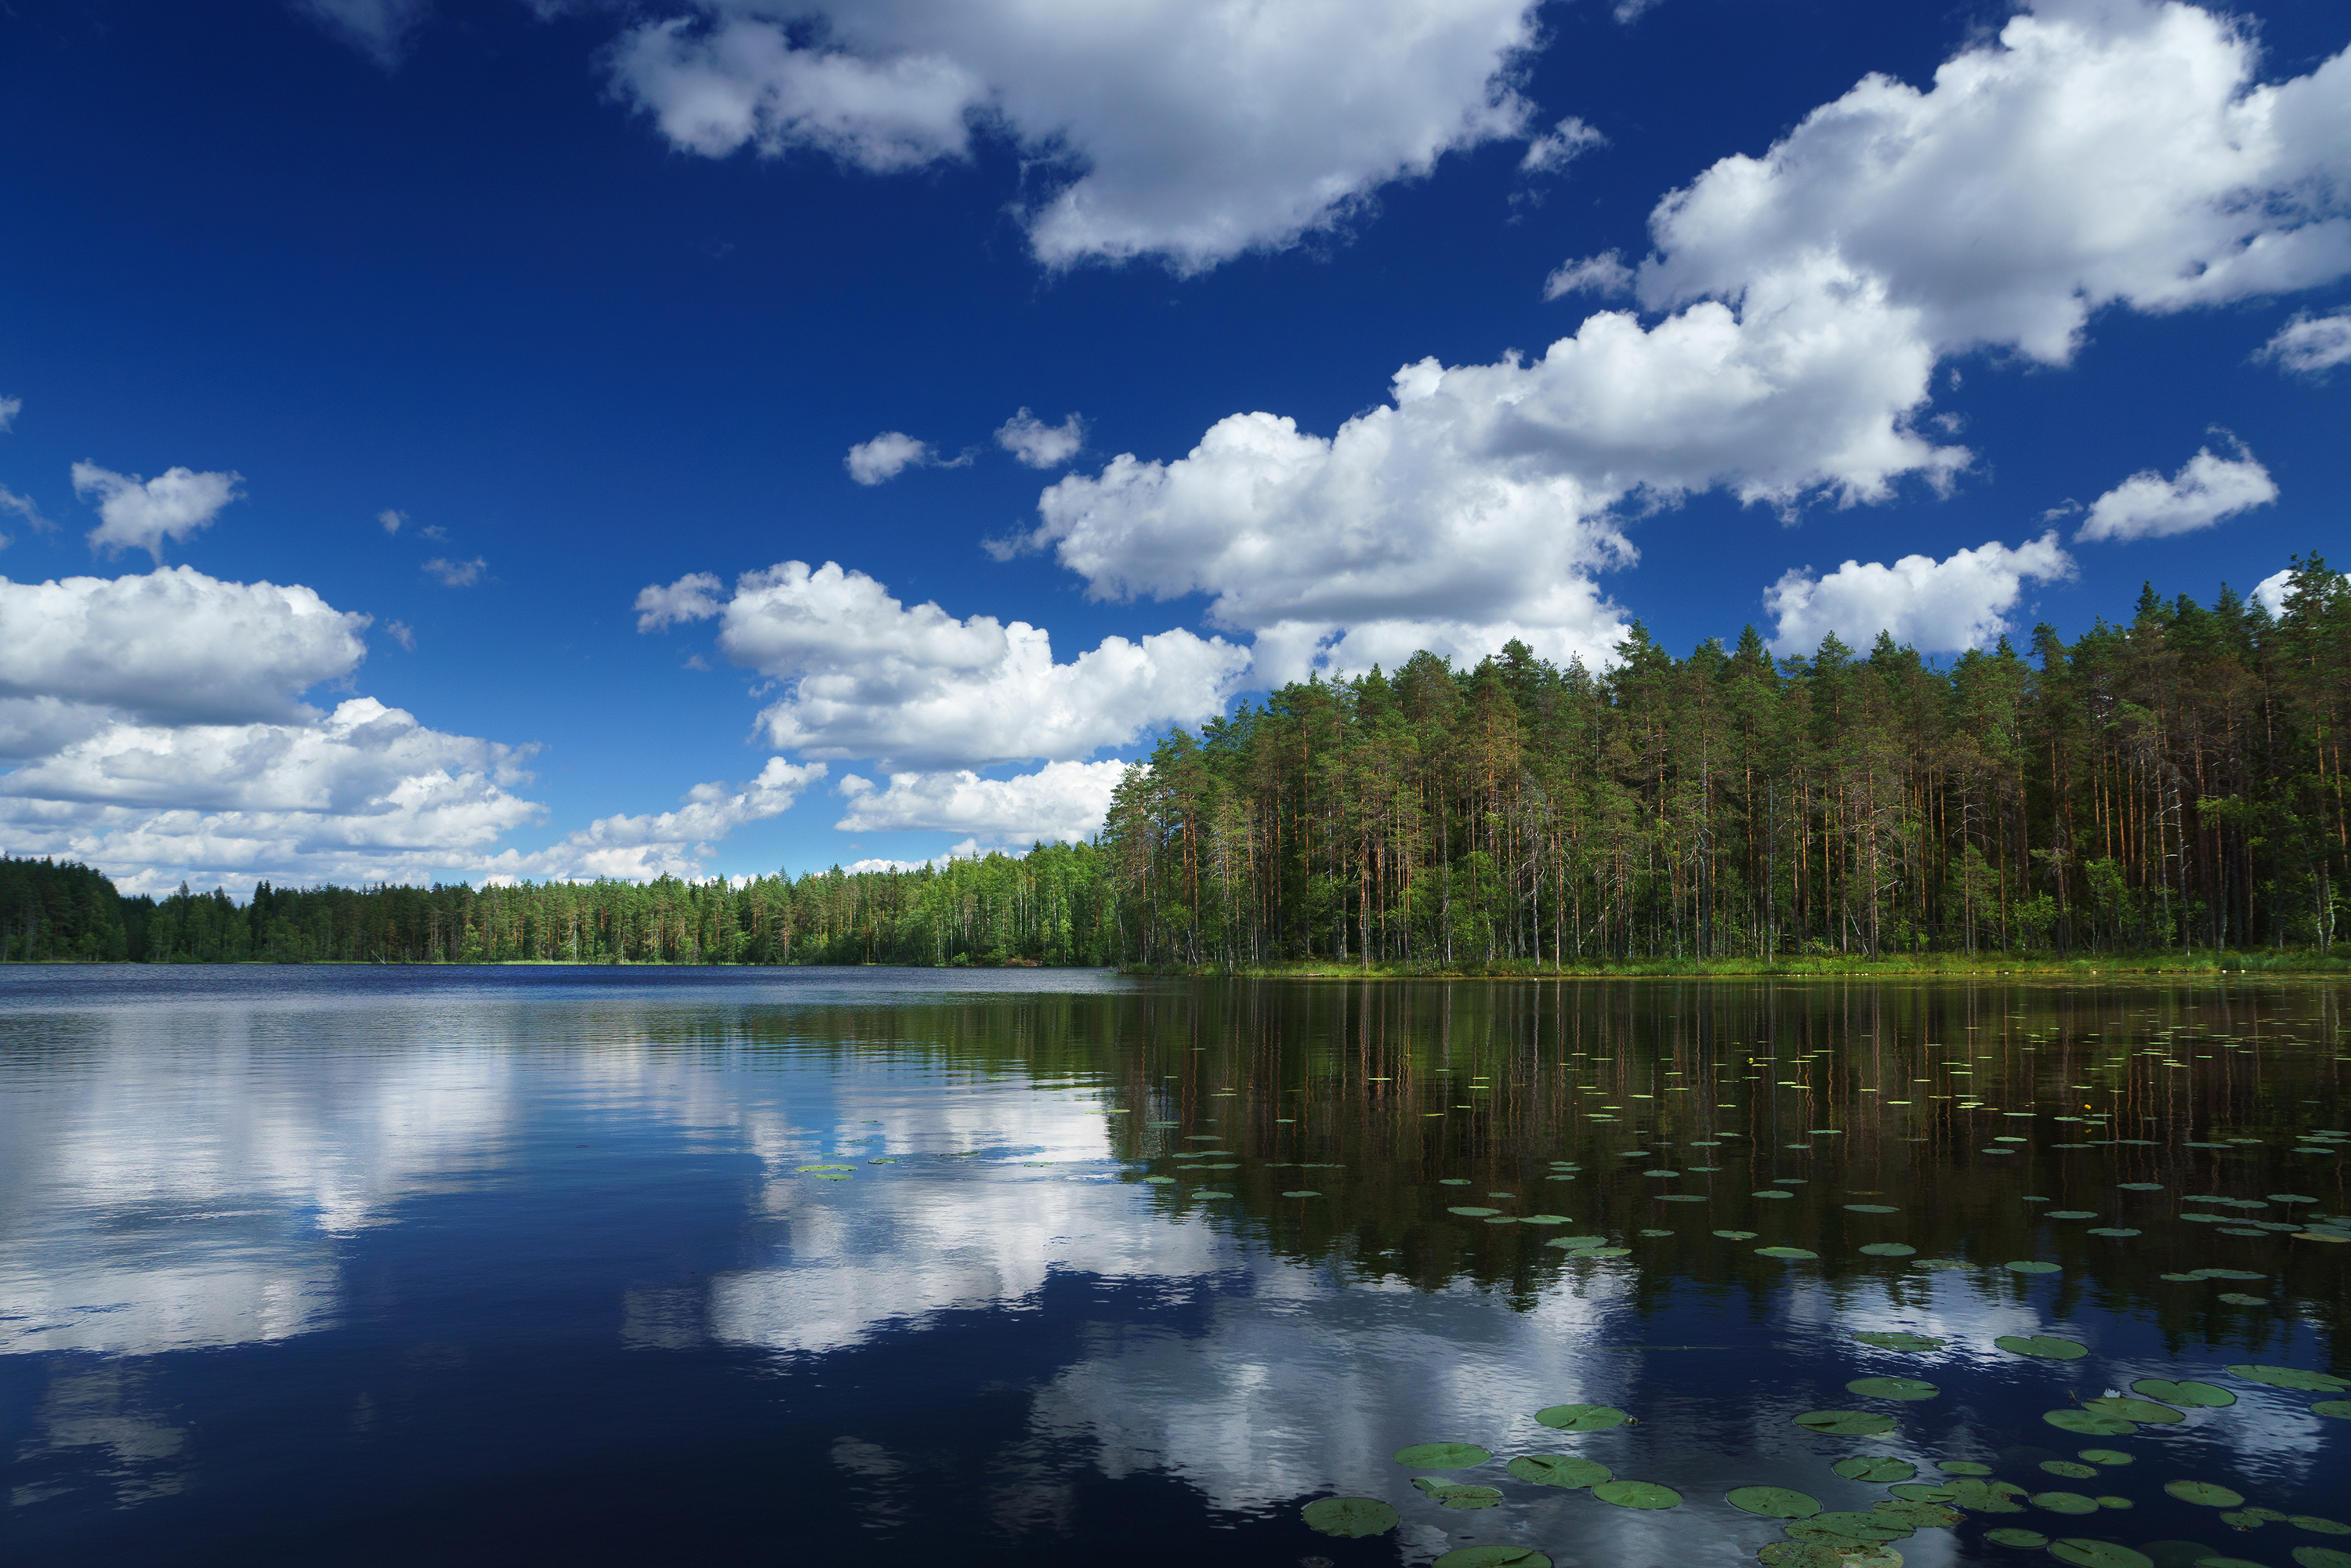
pixel 1925 966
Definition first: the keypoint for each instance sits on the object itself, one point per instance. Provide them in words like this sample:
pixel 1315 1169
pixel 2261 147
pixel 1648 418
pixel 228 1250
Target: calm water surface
pixel 825 1267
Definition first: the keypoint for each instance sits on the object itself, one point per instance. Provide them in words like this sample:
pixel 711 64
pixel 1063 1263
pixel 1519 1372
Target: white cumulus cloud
pixel 1605 274
pixel 2147 506
pixel 1041 445
pixel 673 843
pixel 1061 800
pixel 886 456
pixel 867 676
pixel 2096 153
pixel 390 520
pixel 2311 345
pixel 363 792
pixel 1936 606
pixel 174 646
pixel 1189 130
pixel 1560 146
pixel 141 514
pixel 456 573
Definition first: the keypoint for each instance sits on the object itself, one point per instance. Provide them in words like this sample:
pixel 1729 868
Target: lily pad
pixel 1871 1208
pixel 2291 1377
pixel 2043 1347
pixel 2117 1230
pixel 2090 1423
pixel 1301 1192
pixel 1493 1556
pixel 1636 1494
pixel 1845 1423
pixel 2067 1214
pixel 1160 1181
pixel 1942 1264
pixel 1875 1468
pixel 2108 1456
pixel 2311 1521
pixel 1442 1456
pixel 1924 1491
pixel 2321 1557
pixel 2238 1299
pixel 1918 1515
pixel 1455 1494
pixel 1963 1468
pixel 1350 1516
pixel 1796 1252
pixel 1560 1470
pixel 1468 1212
pixel 2072 1470
pixel 1898 1340
pixel 2192 1394
pixel 2029 1539
pixel 1774 1502
pixel 2063 1502
pixel 2339 1408
pixel 1771 1193
pixel 2084 1552
pixel 2145 1410
pixel 2032 1266
pixel 1736 1234
pixel 2140 1185
pixel 1889 1250
pixel 1849 1526
pixel 1582 1417
pixel 1572 1243
pixel 1892 1389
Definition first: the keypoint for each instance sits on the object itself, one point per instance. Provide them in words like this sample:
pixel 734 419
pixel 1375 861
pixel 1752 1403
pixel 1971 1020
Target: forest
pixel 2170 785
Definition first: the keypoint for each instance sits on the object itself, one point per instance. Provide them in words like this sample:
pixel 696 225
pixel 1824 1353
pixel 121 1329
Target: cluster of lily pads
pixel 1820 1537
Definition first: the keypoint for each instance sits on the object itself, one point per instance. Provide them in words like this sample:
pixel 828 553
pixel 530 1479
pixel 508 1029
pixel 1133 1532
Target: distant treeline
pixel 1047 907
pixel 2175 784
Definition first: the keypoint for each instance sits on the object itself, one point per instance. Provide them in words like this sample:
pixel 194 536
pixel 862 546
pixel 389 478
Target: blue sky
pixel 598 300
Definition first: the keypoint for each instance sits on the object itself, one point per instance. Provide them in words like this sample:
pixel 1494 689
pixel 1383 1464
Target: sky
pixel 527 439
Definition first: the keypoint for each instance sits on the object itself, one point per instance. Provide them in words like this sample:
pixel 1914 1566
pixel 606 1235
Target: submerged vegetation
pixel 2168 793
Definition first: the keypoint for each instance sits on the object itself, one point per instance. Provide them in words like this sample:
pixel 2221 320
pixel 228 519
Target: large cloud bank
pixel 1189 130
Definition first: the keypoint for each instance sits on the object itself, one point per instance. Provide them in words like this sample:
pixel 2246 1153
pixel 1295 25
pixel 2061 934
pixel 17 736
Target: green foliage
pixel 2170 787
pixel 53 913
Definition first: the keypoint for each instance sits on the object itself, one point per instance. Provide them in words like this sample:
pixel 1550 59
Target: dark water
pixel 527 1264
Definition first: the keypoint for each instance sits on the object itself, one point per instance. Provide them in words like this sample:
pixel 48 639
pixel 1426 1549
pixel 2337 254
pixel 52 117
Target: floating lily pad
pixel 1963 1468
pixel 2238 1299
pixel 1889 1250
pixel 2043 1347
pixel 1683 1197
pixel 1653 1232
pixel 2108 1456
pixel 1570 1243
pixel 2063 1502
pixel 2072 1470
pixel 1737 1235
pixel 2227 1274
pixel 1453 1181
pixel 2032 1266
pixel 1942 1264
pixel 2145 1410
pixel 1350 1516
pixel 2339 1408
pixel 2084 1552
pixel 1442 1456
pixel 2311 1521
pixel 1875 1468
pixel 2090 1423
pixel 1636 1494
pixel 2068 1214
pixel 2182 1393
pixel 1923 1491
pixel 1160 1181
pixel 1774 1502
pixel 2205 1494
pixel 1493 1556
pixel 2119 1230
pixel 1898 1340
pixel 1783 1252
pixel 1457 1494
pixel 1869 1528
pixel 1560 1470
pixel 2140 1185
pixel 1582 1417
pixel 1544 1219
pixel 2228 1562
pixel 2029 1539
pixel 1892 1389
pixel 1769 1192
pixel 2291 1377
pixel 1471 1213
pixel 1845 1423
pixel 1872 1209
pixel 2321 1557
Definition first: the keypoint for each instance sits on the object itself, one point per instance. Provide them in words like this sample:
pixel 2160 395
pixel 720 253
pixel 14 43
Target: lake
pixel 616 1265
